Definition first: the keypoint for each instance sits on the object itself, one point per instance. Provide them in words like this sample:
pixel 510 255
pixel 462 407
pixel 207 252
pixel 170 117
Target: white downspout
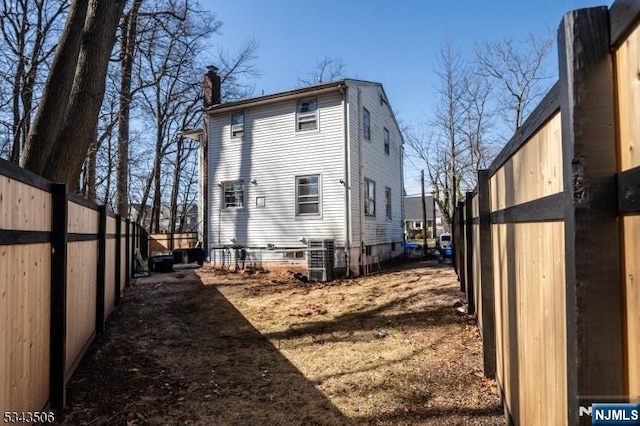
pixel 360 182
pixel 347 184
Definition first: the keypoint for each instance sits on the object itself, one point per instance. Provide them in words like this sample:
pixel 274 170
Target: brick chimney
pixel 211 87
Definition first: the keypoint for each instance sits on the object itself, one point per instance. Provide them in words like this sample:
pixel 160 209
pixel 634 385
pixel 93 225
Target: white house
pixel 316 163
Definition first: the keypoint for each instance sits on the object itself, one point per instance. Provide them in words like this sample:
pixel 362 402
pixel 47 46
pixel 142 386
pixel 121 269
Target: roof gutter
pixel 279 97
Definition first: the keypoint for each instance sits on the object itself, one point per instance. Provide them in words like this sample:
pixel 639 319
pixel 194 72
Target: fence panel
pixel 164 242
pixel 82 259
pixel 25 219
pixel 528 270
pixel 626 59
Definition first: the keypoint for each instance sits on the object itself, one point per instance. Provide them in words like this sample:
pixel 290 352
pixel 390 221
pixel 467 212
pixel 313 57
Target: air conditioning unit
pixel 320 259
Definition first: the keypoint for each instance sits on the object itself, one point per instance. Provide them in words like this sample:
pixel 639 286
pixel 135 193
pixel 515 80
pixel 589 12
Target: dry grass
pixel 266 349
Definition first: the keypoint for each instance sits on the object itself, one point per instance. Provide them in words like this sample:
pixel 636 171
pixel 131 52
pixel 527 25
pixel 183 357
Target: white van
pixel 444 240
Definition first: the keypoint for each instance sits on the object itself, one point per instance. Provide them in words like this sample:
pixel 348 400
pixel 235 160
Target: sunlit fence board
pixel 627 65
pixel 533 172
pixel 82 258
pixel 24 207
pixel 162 242
pixel 24 326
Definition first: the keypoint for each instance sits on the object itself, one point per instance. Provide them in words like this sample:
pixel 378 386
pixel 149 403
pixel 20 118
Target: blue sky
pixel 392 42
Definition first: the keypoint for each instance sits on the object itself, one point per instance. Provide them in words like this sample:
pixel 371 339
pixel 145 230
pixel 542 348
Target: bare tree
pixel 61 134
pixel 28 33
pixel 454 143
pixel 325 71
pixel 128 40
pixel 171 87
pixel 519 72
pixel 236 69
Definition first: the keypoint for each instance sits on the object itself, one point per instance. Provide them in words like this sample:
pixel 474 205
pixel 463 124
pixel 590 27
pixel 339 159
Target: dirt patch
pixel 211 347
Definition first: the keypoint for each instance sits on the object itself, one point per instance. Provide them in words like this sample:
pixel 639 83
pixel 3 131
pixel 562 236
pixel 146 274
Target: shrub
pixel 418 236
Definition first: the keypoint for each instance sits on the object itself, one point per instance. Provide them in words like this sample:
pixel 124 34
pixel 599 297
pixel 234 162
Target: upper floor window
pixel 387 201
pixel 369 197
pixel 366 123
pixel 233 194
pixel 307 114
pixel 386 140
pixel 308 195
pixel 237 124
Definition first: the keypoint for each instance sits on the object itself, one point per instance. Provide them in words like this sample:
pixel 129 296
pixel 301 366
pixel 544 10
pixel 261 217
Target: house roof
pixel 413 208
pixel 291 94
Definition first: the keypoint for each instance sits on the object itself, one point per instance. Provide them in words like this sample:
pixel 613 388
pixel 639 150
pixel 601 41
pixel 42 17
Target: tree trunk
pixel 157 195
pixel 128 44
pixel 80 125
pixel 53 105
pixel 173 215
pixel 91 172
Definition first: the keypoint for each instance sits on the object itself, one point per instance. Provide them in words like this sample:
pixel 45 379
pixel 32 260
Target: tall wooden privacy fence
pixel 548 245
pixel 63 264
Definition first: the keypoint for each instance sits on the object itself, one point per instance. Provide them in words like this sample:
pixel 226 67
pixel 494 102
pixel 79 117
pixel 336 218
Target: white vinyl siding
pixel 384 169
pixel 273 153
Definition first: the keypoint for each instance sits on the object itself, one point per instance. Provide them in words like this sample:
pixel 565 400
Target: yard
pixel 212 347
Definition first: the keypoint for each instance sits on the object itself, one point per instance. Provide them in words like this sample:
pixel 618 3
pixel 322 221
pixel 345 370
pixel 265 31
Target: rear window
pixel 445 238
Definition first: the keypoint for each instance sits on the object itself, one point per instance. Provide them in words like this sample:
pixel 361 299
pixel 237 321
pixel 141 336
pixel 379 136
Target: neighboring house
pixel 413 218
pixel 317 163
pixel 190 217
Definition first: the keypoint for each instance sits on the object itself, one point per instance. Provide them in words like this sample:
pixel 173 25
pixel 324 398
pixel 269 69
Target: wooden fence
pixel 63 264
pixel 172 241
pixel 548 245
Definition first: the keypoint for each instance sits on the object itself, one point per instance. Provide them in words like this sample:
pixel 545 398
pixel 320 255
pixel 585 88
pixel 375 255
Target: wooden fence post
pixel 127 254
pixel 118 261
pixel 486 275
pixel 132 253
pixel 461 249
pixel 58 328
pixel 101 268
pixel 594 300
pixel 468 261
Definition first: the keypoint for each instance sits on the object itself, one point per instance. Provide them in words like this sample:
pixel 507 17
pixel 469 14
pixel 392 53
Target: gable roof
pixel 276 97
pixel 292 94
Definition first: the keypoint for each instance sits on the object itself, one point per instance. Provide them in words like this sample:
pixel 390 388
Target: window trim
pixel 297 201
pixel 366 131
pixel 368 198
pixel 240 132
pixel 387 202
pixel 306 117
pixel 223 186
pixel 387 141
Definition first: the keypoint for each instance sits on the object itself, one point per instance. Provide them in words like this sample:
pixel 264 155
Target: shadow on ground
pixel 179 353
